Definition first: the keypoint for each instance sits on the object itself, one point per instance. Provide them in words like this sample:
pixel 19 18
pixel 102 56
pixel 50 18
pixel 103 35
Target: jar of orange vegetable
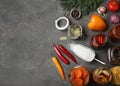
pixel 79 76
pixel 98 40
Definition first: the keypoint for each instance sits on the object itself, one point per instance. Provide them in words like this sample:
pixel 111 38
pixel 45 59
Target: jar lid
pixel 61 27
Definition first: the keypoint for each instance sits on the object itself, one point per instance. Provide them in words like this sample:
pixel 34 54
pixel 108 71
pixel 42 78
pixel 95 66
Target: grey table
pixel 27 33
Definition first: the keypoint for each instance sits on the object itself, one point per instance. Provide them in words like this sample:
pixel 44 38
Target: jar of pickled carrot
pixel 79 76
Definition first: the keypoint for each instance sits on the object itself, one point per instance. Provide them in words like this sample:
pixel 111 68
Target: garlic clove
pixel 99 11
pixel 103 9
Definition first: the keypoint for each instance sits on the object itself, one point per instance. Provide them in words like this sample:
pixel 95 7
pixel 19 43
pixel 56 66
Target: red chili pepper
pixel 60 54
pixel 100 39
pixel 64 50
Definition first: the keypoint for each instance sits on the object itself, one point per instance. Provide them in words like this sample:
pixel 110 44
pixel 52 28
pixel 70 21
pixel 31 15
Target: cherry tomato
pixel 113 5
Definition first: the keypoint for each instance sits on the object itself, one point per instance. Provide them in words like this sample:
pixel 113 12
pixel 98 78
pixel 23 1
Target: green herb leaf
pixel 86 6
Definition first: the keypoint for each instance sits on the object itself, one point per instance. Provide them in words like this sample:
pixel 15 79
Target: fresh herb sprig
pixel 85 6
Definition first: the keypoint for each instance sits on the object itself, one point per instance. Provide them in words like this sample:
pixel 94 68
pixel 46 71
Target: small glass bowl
pixel 95 44
pixel 75 13
pixel 75 31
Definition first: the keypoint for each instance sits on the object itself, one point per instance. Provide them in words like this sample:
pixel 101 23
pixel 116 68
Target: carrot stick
pixel 59 68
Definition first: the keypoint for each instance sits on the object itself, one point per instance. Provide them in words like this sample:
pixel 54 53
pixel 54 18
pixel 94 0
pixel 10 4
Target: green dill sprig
pixel 85 6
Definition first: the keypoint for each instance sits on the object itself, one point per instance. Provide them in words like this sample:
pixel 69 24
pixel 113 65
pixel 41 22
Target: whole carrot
pixel 60 54
pixel 59 68
pixel 64 50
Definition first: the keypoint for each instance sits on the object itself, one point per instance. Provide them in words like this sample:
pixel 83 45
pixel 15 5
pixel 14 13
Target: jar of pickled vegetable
pixel 79 76
pixel 114 33
pixel 115 71
pixel 114 55
pixel 101 75
pixel 98 40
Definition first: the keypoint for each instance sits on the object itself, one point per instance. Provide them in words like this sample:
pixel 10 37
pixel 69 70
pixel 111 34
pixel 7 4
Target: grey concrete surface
pixel 27 33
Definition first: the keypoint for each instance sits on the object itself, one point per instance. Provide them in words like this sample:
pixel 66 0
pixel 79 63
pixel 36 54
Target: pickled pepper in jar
pixel 98 40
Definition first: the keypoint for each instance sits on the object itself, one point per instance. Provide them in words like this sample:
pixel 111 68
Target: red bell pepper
pixel 60 54
pixel 64 50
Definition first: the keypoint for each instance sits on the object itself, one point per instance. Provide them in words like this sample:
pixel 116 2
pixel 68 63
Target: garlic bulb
pixel 101 10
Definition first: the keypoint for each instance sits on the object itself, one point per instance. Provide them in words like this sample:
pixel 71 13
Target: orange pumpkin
pixel 96 23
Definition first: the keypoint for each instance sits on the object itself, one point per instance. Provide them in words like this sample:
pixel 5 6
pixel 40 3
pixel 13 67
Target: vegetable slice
pixel 78 73
pixel 63 38
pixel 59 68
pixel 78 82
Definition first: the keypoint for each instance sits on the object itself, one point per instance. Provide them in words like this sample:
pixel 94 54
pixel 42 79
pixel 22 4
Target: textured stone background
pixel 27 33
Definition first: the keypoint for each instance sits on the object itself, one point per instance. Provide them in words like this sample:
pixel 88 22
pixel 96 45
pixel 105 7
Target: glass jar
pixel 98 40
pixel 115 71
pixel 75 13
pixel 75 31
pixel 114 55
pixel 79 76
pixel 114 33
pixel 101 75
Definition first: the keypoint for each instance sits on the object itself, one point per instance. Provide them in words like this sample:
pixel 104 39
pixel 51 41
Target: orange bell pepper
pixel 96 23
